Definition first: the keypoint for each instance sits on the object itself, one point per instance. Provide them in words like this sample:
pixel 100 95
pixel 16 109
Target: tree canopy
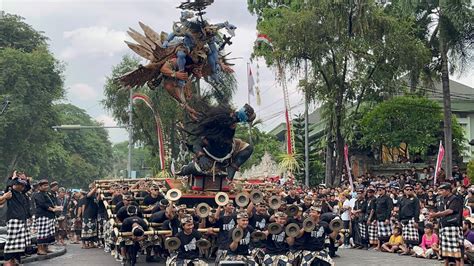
pixel 415 121
pixel 262 142
pixel 77 157
pixel 33 81
pixel 355 51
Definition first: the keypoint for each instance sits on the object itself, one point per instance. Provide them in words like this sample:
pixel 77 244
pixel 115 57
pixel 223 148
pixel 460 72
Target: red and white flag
pixel 265 39
pixel 439 161
pixel 251 81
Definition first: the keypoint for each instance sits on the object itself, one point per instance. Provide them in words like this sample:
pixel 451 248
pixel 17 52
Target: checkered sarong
pixel 383 230
pixel 89 229
pixel 307 258
pixel 295 256
pixel 362 230
pixel 248 260
pixel 451 241
pixel 100 227
pixel 108 228
pixel 410 233
pixel 258 254
pixel 174 261
pixel 18 237
pixel 276 260
pixel 45 230
pixel 373 232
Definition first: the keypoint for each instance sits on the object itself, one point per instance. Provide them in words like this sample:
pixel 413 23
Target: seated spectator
pixel 429 246
pixel 395 243
pixel 467 230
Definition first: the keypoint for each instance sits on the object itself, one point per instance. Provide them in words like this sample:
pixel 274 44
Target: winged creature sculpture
pixel 192 50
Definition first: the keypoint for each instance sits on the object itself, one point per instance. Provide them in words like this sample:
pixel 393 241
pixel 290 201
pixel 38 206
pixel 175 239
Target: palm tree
pixel 449 34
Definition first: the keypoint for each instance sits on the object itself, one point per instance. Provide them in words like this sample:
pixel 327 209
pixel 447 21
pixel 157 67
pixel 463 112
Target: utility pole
pixel 306 130
pixel 130 135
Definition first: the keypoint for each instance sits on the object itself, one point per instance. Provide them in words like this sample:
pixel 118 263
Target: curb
pixel 59 252
pixel 55 254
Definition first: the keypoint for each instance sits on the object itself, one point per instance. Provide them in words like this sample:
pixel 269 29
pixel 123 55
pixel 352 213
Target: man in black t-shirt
pixel 90 210
pixel 239 248
pixel 259 217
pixel 314 252
pixel 152 198
pixel 18 212
pixel 225 221
pixel 307 203
pixel 188 252
pixel 451 239
pixel 137 226
pixel 292 198
pixel 44 222
pixel 278 245
pixel 128 210
pixel 383 211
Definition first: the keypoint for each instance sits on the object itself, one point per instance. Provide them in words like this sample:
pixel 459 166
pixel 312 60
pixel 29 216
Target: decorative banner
pixel 346 156
pixel 159 131
pixel 257 86
pixel 289 144
pixel 439 160
pixel 172 168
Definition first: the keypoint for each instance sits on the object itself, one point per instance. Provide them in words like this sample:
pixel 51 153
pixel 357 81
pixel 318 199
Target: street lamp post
pixel 130 135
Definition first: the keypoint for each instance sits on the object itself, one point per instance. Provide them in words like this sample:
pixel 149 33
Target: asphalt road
pixel 76 256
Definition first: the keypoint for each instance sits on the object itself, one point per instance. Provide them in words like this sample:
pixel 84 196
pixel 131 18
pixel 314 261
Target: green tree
pixel 446 27
pixel 33 81
pixel 16 34
pixel 75 158
pixel 355 50
pixel 262 142
pixel 142 160
pixel 316 166
pixel 470 170
pixel 415 121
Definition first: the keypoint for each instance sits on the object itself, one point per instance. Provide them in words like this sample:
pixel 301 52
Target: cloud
pixel 95 40
pixel 82 91
pixel 106 120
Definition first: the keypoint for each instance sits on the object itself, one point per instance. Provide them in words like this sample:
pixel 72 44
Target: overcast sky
pixel 88 35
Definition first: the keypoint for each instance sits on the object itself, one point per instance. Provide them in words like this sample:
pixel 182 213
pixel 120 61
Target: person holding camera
pixel 18 212
pixel 451 239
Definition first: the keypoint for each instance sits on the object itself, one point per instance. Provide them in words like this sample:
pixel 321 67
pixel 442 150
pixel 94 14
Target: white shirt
pixel 345 216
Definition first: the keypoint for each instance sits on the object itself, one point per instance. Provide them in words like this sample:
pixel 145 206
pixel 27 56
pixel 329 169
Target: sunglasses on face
pixel 409 189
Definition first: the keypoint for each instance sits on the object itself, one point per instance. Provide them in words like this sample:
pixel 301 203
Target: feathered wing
pixel 151 34
pixel 148 46
pixel 140 76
